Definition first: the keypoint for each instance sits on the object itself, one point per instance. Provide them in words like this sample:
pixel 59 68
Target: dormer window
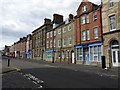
pixel 94 16
pixel 84 8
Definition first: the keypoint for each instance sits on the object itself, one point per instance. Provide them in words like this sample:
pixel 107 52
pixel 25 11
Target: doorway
pixel 73 56
pixel 115 53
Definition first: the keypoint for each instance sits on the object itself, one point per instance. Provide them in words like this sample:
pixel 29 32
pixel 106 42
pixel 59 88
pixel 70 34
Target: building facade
pixel 29 47
pixel 111 32
pixel 67 40
pixel 12 51
pixel 51 38
pixel 88 34
pixel 39 39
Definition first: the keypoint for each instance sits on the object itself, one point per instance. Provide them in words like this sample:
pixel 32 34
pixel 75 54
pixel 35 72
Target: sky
pixel 18 18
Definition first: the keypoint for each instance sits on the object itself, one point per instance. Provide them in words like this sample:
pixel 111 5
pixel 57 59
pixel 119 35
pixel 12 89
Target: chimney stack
pixel 47 21
pixel 57 19
pixel 70 17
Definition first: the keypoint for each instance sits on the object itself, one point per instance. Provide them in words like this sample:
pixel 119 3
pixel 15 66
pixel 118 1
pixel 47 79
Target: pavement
pixel 5 69
pixel 110 72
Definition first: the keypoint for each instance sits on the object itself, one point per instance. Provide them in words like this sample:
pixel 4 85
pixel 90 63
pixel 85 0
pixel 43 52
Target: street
pixel 30 74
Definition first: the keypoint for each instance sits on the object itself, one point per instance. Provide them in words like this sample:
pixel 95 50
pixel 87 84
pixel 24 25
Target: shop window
pixel 79 54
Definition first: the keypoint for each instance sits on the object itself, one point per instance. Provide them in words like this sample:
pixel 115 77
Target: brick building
pixel 88 34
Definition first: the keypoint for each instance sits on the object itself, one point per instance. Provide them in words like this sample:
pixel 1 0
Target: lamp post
pixel 42 54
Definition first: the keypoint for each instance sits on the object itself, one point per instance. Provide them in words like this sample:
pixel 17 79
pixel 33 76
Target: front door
pixel 116 57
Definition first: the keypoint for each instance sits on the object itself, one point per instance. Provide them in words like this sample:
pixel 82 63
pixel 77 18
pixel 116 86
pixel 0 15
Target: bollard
pixel 8 62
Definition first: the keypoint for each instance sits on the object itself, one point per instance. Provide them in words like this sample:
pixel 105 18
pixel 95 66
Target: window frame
pixel 64 42
pixel 83 20
pixel 50 43
pixel 59 31
pixel 112 23
pixel 55 33
pixel 87 36
pixel 51 33
pixel 87 19
pixel 84 8
pixel 94 29
pixel 64 30
pixel 47 44
pixel 84 35
pixel 69 29
pixel 59 43
pixel 111 3
pixel 79 54
pixel 95 15
pixel 70 40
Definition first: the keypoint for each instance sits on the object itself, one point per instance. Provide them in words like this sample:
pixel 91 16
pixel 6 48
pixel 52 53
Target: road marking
pixel 50 66
pixel 34 80
pixel 40 86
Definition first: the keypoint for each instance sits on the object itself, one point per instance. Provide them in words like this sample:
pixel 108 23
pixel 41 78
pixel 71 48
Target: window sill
pixel 113 29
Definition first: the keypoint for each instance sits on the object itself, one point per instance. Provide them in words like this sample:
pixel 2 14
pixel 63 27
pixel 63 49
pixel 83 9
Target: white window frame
pixel 114 22
pixel 48 35
pixel 94 15
pixel 84 8
pixel 87 19
pixel 51 34
pixel 83 35
pixel 78 54
pixel 94 29
pixel 87 34
pixel 95 55
pixel 83 20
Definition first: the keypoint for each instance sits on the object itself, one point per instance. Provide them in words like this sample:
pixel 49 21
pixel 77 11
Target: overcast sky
pixel 20 17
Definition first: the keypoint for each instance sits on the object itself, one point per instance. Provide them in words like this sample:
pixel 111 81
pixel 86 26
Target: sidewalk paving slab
pixel 111 72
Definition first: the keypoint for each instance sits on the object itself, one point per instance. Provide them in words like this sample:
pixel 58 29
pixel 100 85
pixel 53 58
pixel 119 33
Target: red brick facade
pixel 91 8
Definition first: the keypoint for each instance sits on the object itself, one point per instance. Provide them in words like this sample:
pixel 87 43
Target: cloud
pixel 20 17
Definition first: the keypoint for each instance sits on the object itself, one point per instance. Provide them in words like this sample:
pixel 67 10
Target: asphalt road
pixel 54 77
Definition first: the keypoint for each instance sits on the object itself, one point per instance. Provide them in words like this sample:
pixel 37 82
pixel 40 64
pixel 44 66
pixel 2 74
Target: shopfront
pixel 89 53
